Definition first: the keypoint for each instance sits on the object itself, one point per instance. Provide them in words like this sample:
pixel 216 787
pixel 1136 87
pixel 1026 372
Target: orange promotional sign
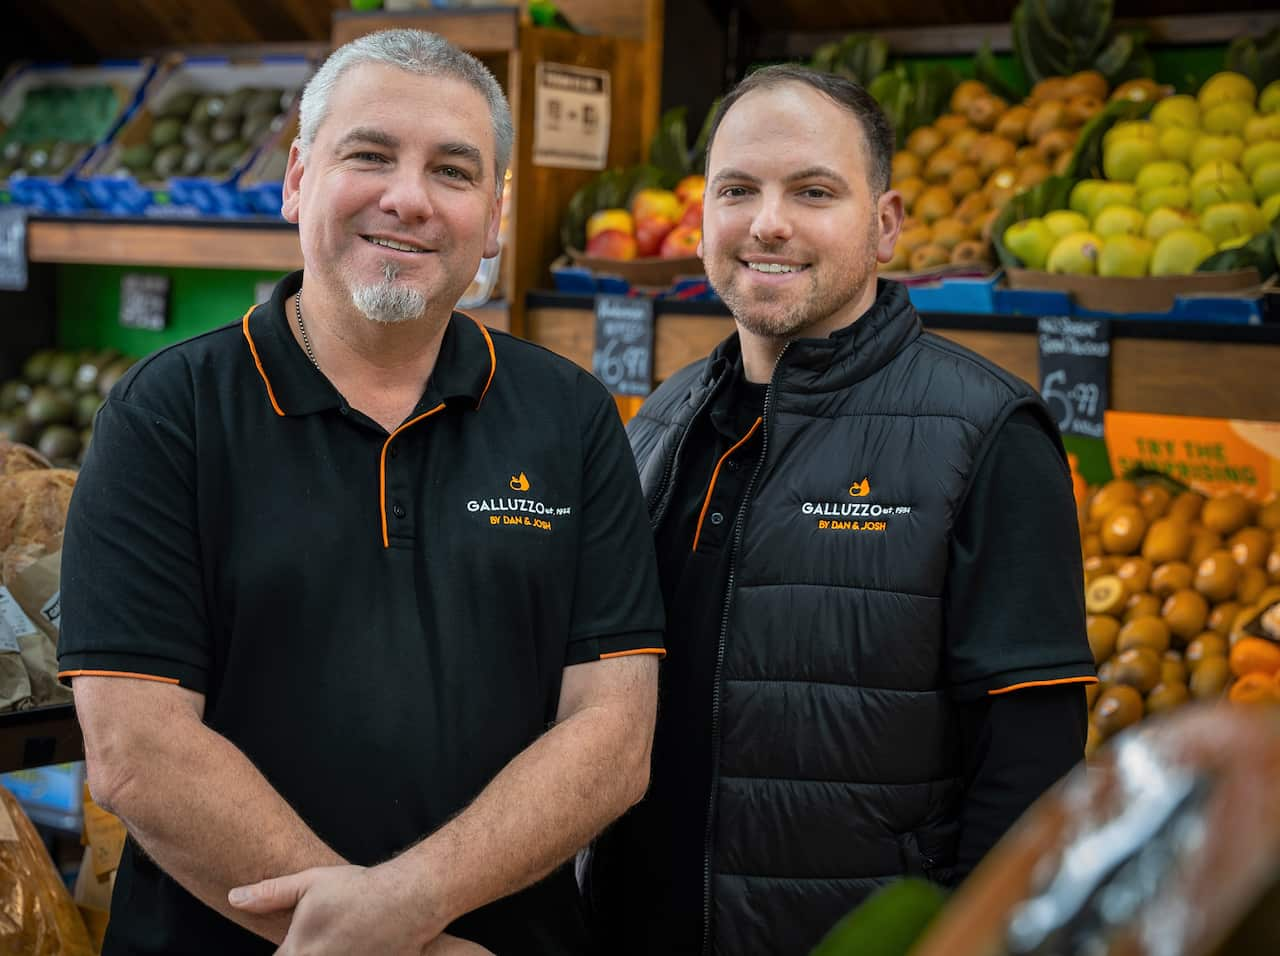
pixel 1211 455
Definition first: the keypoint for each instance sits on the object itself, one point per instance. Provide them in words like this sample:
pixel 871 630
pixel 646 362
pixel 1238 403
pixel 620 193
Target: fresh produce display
pixel 55 125
pixel 1174 583
pixel 52 405
pixel 194 133
pixel 1198 176
pixel 956 174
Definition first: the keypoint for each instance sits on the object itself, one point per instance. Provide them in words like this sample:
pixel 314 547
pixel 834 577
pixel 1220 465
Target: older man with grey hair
pixel 359 599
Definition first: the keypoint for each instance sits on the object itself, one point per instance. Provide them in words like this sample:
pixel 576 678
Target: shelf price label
pixel 1075 367
pixel 623 355
pixel 13 248
pixel 144 301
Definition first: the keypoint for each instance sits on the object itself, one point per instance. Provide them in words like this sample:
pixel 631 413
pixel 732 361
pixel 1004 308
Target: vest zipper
pixel 740 523
pixel 663 496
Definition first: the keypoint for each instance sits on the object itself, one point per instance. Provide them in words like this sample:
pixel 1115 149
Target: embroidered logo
pixel 860 489
pixel 519 483
pixel 853 515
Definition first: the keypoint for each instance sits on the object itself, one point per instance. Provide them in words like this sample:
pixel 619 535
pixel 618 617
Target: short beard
pixel 387 303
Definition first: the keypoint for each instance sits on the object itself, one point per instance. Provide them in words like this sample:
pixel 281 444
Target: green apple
pixel 1176 142
pixel 1031 241
pixel 1266 179
pixel 1227 118
pixel 1177 197
pixel 1271 208
pixel 1165 220
pixel 1126 256
pixel 1112 194
pixel 1131 129
pixel 1122 160
pixel 1218 171
pixel 1227 220
pixel 1210 194
pixel 1269 98
pixel 1118 221
pixel 1180 252
pixel 1182 111
pixel 1226 86
pixel 1257 154
pixel 1233 243
pixel 1063 222
pixel 1076 254
pixel 1165 172
pixel 1208 148
pixel 1260 129
pixel 1082 192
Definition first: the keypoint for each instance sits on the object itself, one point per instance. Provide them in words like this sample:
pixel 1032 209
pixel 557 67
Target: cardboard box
pixel 1136 295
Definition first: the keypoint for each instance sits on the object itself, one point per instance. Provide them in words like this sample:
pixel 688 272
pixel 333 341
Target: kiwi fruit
pixel 1139 667
pixel 1118 707
pixel 1106 595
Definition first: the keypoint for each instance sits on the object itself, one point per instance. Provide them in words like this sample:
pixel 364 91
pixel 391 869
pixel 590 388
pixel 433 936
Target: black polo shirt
pixel 379 621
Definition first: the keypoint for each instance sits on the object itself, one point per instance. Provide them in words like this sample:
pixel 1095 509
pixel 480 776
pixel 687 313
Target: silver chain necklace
pixel 306 340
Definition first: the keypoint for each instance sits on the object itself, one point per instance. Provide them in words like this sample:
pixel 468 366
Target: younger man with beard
pixel 868 551
pixel 358 597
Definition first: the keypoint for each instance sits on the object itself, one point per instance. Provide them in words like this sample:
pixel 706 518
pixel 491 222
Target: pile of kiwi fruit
pixel 1171 580
pixel 196 133
pixel 52 404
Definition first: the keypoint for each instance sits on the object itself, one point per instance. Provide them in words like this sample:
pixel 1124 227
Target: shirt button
pixel 717 518
pixel 397 510
pixel 731 465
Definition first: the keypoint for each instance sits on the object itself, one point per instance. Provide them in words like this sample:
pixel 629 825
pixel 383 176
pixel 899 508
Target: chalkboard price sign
pixel 13 248
pixel 1075 366
pixel 623 356
pixel 144 301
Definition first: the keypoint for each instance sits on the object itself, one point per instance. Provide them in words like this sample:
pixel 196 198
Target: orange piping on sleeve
pixel 159 680
pixel 253 350
pixel 382 469
pixel 1043 683
pixel 493 358
pixel 716 474
pixel 660 651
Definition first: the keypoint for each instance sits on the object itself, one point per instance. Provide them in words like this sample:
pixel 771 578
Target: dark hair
pixel 877 131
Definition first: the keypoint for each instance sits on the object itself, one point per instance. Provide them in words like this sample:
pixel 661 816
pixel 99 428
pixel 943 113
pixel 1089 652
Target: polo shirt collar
pixel 463 372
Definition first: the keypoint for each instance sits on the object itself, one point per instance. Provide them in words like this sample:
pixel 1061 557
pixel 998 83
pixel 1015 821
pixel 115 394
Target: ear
pixel 491 246
pixel 890 213
pixel 292 184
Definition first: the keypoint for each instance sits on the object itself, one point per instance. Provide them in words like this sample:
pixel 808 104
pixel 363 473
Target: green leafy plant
pixel 914 96
pixel 1086 155
pixel 1259 59
pixel 888 923
pixel 1262 252
pixel 859 57
pixel 1061 37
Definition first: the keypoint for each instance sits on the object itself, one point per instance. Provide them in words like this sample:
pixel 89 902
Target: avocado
pixel 59 443
pixel 62 370
pixel 234 107
pixel 87 406
pixel 177 106
pixel 255 126
pixel 47 407
pixel 208 107
pixel 222 159
pixel 195 135
pixel 166 132
pixel 15 428
pixel 223 130
pixel 264 102
pixel 167 161
pixel 86 379
pixel 137 158
pixel 13 393
pixel 193 161
pixel 36 368
pixel 112 374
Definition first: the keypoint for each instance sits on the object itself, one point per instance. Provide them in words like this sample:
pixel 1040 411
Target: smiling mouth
pixel 393 244
pixel 773 268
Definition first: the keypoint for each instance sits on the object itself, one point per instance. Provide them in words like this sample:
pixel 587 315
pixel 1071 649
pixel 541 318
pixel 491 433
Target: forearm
pixel 211 821
pixel 544 806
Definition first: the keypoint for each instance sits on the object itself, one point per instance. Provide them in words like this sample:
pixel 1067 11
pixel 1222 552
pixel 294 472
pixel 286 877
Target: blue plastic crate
pixel 968 294
pixel 52 796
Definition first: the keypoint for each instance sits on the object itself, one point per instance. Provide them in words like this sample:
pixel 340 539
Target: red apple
pixel 612 244
pixel 691 188
pixel 649 235
pixel 680 242
pixel 693 214
pixel 655 204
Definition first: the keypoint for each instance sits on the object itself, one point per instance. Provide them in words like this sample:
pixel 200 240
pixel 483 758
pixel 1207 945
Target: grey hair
pixel 415 51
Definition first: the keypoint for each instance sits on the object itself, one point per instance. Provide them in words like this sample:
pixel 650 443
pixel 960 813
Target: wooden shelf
pixel 485 30
pixel 229 245
pixel 1175 368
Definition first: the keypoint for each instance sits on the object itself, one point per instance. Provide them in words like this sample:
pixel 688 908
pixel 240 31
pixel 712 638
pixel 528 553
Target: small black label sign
pixel 144 301
pixel 13 248
pixel 1075 367
pixel 623 356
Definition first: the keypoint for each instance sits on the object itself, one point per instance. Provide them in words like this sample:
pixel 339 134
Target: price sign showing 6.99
pixel 623 354
pixel 1075 364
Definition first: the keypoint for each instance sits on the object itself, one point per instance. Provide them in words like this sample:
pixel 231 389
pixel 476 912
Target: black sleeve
pixel 617 607
pixel 1016 746
pixel 132 585
pixel 1014 597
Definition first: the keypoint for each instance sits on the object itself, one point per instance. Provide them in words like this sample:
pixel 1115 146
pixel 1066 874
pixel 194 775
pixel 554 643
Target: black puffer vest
pixel 836 763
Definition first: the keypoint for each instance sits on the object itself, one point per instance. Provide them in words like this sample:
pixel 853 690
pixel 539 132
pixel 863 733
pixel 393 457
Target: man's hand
pixel 347 909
